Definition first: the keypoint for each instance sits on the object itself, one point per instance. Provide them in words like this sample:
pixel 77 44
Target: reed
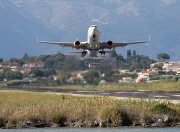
pixel 18 106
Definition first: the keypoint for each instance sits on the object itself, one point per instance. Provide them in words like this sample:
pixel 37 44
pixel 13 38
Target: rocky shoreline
pixel 84 124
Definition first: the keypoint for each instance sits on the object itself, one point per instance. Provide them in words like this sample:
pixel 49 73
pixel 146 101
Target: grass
pixel 161 85
pixel 17 106
pixel 155 86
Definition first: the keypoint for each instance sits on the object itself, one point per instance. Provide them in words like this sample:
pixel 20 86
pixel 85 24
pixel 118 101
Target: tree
pixel 13 59
pixel 49 72
pixel 134 52
pixel 21 62
pixel 42 58
pixel 25 57
pixel 1 77
pixel 129 53
pixel 113 53
pixel 158 66
pixel 104 67
pixel 74 64
pixel 163 56
pixel 55 61
pixel 37 73
pixel 1 59
pixel 92 77
pixel 11 75
pixel 49 63
pixel 63 76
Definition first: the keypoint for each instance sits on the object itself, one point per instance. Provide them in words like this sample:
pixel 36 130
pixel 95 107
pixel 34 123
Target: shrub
pixel 148 118
pixel 59 119
pixel 2 122
pixel 17 82
pixel 126 120
pixel 163 109
pixel 111 115
pixel 11 122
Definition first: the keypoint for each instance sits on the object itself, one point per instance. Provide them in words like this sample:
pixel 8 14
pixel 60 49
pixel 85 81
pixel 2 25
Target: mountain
pixel 66 20
pixel 18 31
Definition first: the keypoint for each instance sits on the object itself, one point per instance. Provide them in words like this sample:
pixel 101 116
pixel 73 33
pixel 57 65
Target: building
pixel 148 74
pixel 96 61
pixel 168 66
pixel 173 66
pixel 127 79
pixel 14 66
pixel 69 55
pixel 34 64
pixel 9 64
pixel 28 67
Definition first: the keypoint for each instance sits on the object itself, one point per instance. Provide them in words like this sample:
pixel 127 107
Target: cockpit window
pixel 93 26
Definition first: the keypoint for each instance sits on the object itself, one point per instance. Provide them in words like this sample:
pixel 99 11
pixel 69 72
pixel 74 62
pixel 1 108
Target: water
pixel 95 130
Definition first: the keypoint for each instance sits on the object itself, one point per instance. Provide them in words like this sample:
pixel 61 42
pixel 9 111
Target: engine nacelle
pixel 77 44
pixel 109 45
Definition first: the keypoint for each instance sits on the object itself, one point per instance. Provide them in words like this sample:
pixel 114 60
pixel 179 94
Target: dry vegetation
pixel 28 109
pixel 160 85
pixel 166 85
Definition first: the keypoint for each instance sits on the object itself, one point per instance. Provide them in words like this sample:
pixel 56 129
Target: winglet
pixel 149 37
pixel 37 38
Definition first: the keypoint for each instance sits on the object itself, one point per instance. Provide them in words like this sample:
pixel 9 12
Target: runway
pixel 169 95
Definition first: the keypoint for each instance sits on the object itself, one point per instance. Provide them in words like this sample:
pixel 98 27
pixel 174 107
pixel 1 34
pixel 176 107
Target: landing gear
pixel 84 53
pixel 102 52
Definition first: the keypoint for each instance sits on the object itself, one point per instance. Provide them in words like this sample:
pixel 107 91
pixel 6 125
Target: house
pixel 8 64
pixel 173 66
pixel 148 74
pixel 12 65
pixel 178 72
pixel 1 69
pixel 77 76
pixel 157 63
pixel 69 55
pixel 126 72
pixel 96 61
pixel 32 65
pixel 167 66
pixel 127 79
pixel 26 69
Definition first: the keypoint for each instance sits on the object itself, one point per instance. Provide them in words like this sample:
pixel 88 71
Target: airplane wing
pixel 64 44
pixel 122 44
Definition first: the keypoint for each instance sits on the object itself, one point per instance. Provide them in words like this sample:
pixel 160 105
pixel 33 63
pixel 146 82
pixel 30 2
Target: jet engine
pixel 77 44
pixel 109 45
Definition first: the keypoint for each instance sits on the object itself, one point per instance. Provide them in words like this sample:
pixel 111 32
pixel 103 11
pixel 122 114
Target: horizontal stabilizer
pixel 105 51
pixel 78 51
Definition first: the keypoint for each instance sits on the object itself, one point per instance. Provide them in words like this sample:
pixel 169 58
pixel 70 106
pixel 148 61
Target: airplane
pixel 93 45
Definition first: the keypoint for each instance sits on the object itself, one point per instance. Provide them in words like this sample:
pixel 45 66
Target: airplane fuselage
pixel 93 40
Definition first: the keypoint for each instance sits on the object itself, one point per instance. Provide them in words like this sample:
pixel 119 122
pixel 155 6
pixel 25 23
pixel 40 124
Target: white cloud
pixel 168 2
